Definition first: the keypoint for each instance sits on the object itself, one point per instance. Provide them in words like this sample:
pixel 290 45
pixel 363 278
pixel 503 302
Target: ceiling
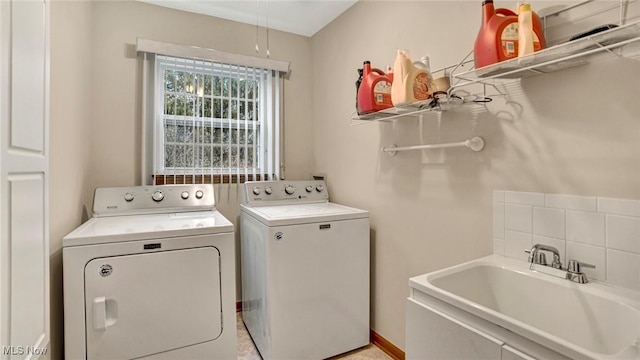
pixel 302 17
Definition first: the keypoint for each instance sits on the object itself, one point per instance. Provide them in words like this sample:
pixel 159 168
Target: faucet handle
pixel 531 253
pixel 541 259
pixel 575 266
pixel 536 257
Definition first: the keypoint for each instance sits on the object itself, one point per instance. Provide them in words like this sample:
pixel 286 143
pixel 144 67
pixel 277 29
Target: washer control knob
pixel 256 191
pixel 184 195
pixel 157 196
pixel 268 190
pixel 319 188
pixel 128 197
pixel 309 188
pixel 289 190
pixel 199 194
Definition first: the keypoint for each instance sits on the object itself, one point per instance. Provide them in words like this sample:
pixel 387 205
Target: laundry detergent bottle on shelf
pixel 525 30
pixel 412 81
pixel 422 80
pixel 374 93
pixel 497 39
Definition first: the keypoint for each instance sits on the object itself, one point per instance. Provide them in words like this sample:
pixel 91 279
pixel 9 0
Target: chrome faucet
pixel 573 270
pixel 536 257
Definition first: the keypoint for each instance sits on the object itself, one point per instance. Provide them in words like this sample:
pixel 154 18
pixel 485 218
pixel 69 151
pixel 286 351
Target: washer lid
pixel 303 213
pixel 144 227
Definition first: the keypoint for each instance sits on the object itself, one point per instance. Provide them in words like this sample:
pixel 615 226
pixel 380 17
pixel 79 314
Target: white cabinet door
pixel 509 353
pixel 144 304
pixel 431 334
pixel 24 179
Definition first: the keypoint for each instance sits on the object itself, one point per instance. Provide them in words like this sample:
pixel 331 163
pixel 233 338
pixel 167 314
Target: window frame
pixel 275 71
pixel 203 68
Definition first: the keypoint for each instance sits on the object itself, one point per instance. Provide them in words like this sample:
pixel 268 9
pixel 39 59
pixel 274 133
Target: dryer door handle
pixel 105 313
pixel 100 313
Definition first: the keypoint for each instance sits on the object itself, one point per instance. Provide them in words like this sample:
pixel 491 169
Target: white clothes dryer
pixel 151 276
pixel 305 271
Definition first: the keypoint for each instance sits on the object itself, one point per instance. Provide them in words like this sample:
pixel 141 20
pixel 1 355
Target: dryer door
pixel 143 304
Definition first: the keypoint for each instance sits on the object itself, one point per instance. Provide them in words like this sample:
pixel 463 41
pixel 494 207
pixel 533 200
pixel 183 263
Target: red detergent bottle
pixel 374 93
pixel 497 39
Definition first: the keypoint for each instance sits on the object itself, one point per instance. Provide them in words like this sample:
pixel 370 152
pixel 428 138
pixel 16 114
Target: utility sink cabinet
pixel 509 353
pixel 437 330
pixel 432 334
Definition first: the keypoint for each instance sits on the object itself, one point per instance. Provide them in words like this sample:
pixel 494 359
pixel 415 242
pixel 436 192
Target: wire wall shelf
pixel 562 56
pixel 390 114
pixel 457 100
pixel 621 40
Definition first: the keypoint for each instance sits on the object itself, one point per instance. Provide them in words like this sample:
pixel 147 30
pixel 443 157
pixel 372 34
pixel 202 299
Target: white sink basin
pixel 593 320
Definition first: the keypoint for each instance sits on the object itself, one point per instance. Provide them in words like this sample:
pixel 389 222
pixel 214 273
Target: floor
pixel 247 351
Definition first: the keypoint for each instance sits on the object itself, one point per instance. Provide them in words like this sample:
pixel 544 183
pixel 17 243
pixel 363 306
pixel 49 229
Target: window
pixel 212 122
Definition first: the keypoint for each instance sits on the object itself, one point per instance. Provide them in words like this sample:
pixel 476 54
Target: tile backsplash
pixel 604 232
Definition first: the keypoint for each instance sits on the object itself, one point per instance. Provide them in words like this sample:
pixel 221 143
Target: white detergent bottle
pixel 412 81
pixel 525 30
pixel 422 82
pixel 402 73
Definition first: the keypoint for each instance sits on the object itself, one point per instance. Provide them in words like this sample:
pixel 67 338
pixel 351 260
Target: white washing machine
pixel 305 271
pixel 151 276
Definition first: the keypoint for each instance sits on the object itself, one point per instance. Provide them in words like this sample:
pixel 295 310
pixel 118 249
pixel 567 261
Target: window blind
pixel 213 122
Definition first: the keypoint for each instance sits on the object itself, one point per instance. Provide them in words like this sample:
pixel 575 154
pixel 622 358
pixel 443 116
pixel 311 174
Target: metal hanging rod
pixel 476 144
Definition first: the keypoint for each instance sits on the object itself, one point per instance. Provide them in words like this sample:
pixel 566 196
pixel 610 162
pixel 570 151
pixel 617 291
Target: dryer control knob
pixel 319 188
pixel 289 190
pixel 256 191
pixel 309 188
pixel 199 194
pixel 128 197
pixel 268 190
pixel 157 196
pixel 184 195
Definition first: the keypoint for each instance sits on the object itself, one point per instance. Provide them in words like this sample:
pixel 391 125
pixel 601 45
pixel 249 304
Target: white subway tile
pixel 619 206
pixel 585 227
pixel 623 233
pixel 623 269
pixel 498 246
pixel 498 220
pixel 571 202
pixel 524 198
pixel 556 243
pixel 593 255
pixel 518 217
pixel 549 222
pixel 604 232
pixel 516 243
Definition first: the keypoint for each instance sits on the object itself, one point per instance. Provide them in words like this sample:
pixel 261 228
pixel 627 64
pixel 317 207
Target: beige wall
pixel 70 121
pixel 572 132
pixel 96 104
pixel 575 131
pixel 117 79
